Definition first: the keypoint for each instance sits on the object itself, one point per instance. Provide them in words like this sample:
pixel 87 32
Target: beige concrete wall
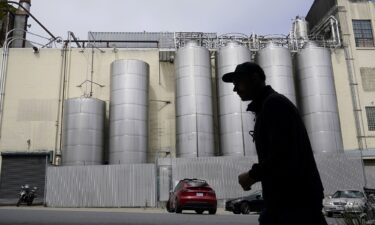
pixel 31 100
pixel 344 100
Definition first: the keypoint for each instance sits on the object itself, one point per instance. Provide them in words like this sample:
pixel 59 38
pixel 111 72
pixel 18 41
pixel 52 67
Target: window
pixel 368 78
pixel 370 112
pixel 363 33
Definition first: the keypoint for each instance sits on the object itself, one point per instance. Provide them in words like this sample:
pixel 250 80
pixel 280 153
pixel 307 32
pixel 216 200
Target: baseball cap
pixel 243 69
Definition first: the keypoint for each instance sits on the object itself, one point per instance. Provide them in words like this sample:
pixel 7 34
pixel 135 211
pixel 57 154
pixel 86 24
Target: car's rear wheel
pixel 212 211
pixel 168 206
pixel 178 208
pixel 245 208
pixel 199 211
pixel 236 210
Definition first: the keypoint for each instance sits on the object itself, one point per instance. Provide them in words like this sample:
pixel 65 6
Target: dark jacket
pixel 286 167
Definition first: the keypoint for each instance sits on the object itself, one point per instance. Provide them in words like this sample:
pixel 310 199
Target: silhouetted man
pixel 292 189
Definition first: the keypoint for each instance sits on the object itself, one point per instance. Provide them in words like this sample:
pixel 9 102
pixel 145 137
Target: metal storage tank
pixel 194 124
pixel 318 102
pixel 301 28
pixel 83 131
pixel 276 62
pixel 128 136
pixel 235 121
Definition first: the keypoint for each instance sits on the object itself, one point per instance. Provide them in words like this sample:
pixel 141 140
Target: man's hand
pixel 245 181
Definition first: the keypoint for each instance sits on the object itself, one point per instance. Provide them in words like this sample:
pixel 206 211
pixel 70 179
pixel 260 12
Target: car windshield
pixel 348 194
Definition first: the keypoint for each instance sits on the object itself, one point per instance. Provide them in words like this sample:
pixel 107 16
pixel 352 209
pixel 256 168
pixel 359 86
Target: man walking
pixel 286 168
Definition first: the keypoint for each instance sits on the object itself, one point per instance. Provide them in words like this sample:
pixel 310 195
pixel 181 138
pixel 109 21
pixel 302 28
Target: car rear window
pixel 197 183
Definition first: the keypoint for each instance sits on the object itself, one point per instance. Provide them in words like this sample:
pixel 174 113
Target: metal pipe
pixel 333 23
pixel 337 31
pixel 92 70
pixel 74 39
pixel 332 29
pixel 60 101
pixel 36 20
pixel 64 86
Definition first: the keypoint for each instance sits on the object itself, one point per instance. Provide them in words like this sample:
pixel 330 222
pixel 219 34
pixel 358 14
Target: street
pixel 40 215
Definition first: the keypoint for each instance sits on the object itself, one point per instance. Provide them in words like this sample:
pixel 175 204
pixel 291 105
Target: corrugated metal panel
pixel 165 39
pixel 102 186
pixel 337 171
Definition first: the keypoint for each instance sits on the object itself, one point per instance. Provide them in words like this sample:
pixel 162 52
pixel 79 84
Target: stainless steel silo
pixel 276 62
pixel 318 102
pixel 194 113
pixel 235 121
pixel 301 28
pixel 83 131
pixel 128 136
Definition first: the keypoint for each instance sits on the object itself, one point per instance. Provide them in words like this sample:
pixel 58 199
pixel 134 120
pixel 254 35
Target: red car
pixel 192 194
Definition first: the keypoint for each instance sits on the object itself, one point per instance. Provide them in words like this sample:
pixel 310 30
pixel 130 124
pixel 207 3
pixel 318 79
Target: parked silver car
pixel 341 201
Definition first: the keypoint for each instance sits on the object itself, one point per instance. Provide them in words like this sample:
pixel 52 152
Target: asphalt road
pixel 61 217
pixel 40 216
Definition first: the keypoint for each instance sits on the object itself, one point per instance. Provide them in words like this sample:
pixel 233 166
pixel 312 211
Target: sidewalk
pixel 220 211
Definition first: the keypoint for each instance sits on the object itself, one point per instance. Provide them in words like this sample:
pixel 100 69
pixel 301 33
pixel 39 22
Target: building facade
pixel 354 70
pixel 36 82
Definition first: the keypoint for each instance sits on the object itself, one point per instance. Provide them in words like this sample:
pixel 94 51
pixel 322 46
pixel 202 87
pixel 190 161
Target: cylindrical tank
pixel 83 131
pixel 235 121
pixel 194 122
pixel 318 102
pixel 301 28
pixel 128 136
pixel 276 62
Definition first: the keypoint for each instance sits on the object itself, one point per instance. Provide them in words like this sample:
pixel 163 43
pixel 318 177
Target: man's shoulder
pixel 278 101
pixel 277 97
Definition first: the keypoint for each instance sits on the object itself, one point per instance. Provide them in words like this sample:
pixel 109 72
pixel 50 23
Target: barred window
pixel 370 112
pixel 363 33
pixel 368 78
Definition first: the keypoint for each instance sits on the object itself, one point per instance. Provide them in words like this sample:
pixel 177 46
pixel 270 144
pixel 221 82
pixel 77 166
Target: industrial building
pixel 138 111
